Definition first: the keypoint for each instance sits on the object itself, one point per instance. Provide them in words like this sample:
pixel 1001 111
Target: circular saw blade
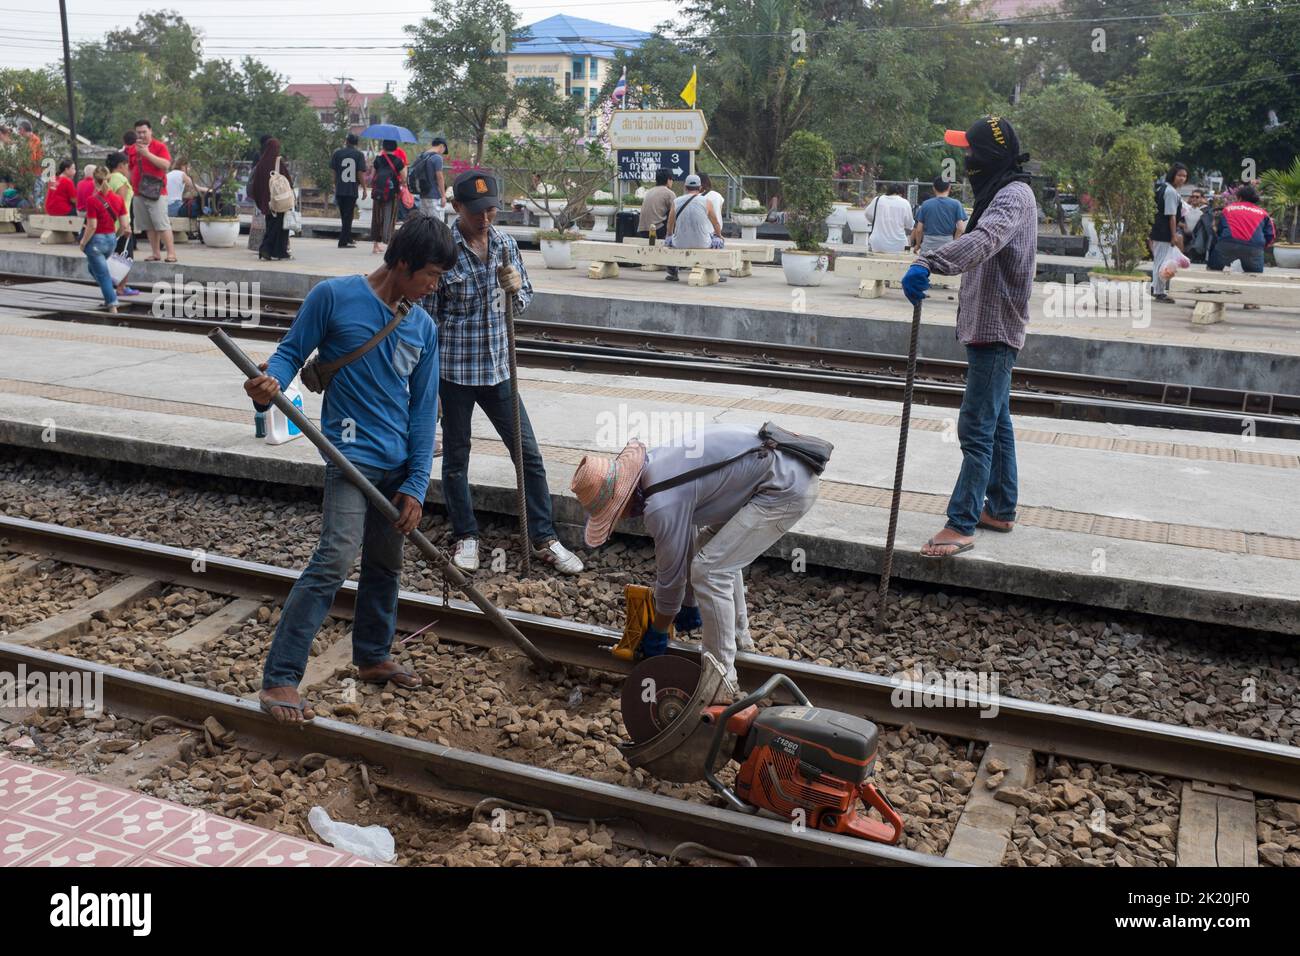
pixel 655 693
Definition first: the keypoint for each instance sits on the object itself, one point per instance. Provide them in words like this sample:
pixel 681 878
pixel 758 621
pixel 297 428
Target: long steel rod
pixel 887 563
pixel 382 504
pixel 517 445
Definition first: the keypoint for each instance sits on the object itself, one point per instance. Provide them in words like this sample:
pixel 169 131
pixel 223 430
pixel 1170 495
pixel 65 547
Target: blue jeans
pixel 988 444
pixel 348 522
pixel 458 403
pixel 97 252
pixel 1226 251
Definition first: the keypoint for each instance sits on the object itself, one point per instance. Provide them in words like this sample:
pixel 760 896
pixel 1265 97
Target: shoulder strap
pixel 277 165
pixel 403 308
pixel 871 226
pixel 694 473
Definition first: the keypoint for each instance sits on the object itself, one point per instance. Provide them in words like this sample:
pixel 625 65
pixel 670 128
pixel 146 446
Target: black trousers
pixel 275 241
pixel 347 204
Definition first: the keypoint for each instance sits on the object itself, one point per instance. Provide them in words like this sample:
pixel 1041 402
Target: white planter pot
pixel 749 223
pixel 857 223
pixel 1127 299
pixel 836 222
pixel 545 213
pixel 557 254
pixel 600 218
pixel 1286 257
pixel 219 233
pixel 804 268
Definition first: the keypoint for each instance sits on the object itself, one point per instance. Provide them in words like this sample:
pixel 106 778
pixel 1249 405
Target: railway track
pixel 1217 767
pixel 879 376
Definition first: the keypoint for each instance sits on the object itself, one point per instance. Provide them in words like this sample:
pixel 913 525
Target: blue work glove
pixel 687 619
pixel 915 281
pixel 653 643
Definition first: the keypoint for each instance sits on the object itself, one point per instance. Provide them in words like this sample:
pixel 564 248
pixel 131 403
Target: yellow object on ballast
pixel 639 602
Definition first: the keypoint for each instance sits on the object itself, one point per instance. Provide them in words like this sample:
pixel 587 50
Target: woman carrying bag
pixel 275 240
pixel 389 181
pixel 105 220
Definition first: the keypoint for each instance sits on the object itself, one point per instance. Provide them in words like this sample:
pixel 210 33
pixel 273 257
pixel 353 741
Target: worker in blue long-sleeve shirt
pixel 380 410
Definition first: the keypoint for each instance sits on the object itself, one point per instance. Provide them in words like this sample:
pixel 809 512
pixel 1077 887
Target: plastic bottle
pixel 259 424
pixel 279 429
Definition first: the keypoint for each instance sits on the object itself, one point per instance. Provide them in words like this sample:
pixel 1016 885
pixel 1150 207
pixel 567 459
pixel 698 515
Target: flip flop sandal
pixel 992 527
pixel 961 549
pixel 172 259
pixel 388 678
pixel 268 705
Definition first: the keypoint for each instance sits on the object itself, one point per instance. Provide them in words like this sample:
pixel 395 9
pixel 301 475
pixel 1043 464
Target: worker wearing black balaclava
pixel 995 259
pixel 993 159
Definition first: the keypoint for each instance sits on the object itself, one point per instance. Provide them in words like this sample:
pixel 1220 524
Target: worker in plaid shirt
pixel 474 362
pixel 995 258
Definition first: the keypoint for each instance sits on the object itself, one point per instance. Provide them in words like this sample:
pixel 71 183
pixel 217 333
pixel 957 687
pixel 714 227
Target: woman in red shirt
pixel 105 218
pixel 86 186
pixel 61 200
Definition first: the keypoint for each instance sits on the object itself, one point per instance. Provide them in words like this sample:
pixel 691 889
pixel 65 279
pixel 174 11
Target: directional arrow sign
pixel 640 165
pixel 657 129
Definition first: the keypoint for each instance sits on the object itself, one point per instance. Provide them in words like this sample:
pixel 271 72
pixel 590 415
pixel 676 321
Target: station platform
pixel 52 818
pixel 1254 350
pixel 1184 524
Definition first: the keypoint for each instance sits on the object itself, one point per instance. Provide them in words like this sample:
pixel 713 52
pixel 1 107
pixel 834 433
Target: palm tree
pixel 1282 188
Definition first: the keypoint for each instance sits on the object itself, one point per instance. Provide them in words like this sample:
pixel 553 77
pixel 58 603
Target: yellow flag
pixel 688 91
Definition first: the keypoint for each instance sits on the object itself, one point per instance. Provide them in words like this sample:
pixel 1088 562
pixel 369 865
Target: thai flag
pixel 620 90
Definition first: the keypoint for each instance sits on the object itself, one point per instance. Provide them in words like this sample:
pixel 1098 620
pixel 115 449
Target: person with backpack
pixel 427 178
pixel 1167 230
pixel 388 174
pixel 713 503
pixel 271 190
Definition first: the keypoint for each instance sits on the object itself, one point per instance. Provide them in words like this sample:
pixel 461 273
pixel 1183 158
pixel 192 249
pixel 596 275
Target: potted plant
pixel 555 177
pixel 1282 190
pixel 602 206
pixel 805 164
pixel 215 152
pixel 557 252
pixel 749 214
pixel 1123 207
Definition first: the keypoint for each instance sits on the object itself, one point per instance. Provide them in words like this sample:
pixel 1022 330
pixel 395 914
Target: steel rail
pixel 466 778
pixel 1182 752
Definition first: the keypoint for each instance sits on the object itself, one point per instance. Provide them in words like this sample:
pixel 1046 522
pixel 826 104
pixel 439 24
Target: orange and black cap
pixel 475 190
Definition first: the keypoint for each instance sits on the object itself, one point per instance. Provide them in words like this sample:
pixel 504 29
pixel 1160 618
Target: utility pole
pixel 67 79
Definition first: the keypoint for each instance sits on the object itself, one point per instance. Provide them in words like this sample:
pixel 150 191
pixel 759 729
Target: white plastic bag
pixel 118 267
pixel 370 843
pixel 293 222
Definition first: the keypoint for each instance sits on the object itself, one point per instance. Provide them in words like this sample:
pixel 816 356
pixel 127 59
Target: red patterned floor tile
pixel 19 839
pixel 154 861
pixel 290 851
pixel 74 804
pixel 211 841
pixel 82 851
pixel 143 823
pixel 19 782
pixel 357 861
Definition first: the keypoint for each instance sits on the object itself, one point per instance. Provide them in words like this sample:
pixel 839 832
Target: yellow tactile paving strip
pixel 870 496
pixel 766 406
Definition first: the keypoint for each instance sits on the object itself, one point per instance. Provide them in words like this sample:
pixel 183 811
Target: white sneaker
pixel 466 555
pixel 565 561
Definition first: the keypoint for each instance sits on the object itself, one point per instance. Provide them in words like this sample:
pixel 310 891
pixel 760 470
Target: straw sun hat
pixel 603 486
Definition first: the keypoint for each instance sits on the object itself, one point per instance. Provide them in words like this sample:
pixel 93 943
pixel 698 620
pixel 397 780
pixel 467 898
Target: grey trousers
pixel 717 581
pixel 1158 252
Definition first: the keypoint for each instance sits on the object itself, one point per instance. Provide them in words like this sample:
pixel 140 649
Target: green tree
pixel 1123 202
pixel 1215 77
pixel 1096 49
pixel 39 90
pixel 806 164
pixel 457 64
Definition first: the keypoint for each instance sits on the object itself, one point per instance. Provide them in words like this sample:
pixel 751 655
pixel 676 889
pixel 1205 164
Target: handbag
pixel 150 186
pixel 279 191
pixel 317 375
pixel 119 265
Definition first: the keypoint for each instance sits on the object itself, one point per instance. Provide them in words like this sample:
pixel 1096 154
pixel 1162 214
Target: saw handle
pixel 749 700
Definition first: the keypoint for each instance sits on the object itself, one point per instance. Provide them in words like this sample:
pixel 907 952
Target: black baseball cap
pixel 438 141
pixel 475 190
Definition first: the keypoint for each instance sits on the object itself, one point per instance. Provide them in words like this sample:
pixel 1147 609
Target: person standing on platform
pixel 119 183
pixel 427 178
pixel 36 152
pixel 275 240
pixel 1167 230
pixel 889 220
pixel 939 220
pixel 349 165
pixel 995 258
pixel 149 181
pixel 105 219
pixel 469 308
pixel 389 172
pixel 379 410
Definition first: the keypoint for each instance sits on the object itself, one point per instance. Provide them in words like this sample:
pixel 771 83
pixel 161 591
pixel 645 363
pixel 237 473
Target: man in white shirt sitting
pixel 889 220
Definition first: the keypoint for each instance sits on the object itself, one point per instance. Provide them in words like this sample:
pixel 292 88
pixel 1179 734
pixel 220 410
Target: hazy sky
pixel 333 34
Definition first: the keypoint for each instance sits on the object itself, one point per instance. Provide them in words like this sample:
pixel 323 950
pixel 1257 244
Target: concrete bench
pixel 876 270
pixel 703 263
pixel 1213 291
pixel 182 227
pixel 9 220
pixel 751 252
pixel 55 230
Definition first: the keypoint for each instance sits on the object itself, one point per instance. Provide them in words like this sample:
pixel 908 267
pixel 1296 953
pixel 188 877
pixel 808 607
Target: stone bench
pixel 751 252
pixel 55 230
pixel 182 227
pixel 703 263
pixel 876 270
pixel 1213 291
